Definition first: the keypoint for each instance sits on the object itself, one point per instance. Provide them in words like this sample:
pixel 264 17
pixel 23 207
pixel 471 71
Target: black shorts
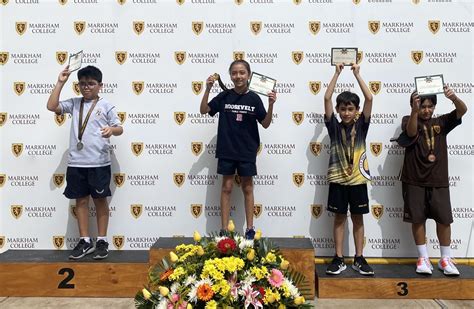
pixel 85 181
pixel 340 197
pixel 228 167
pixel 421 203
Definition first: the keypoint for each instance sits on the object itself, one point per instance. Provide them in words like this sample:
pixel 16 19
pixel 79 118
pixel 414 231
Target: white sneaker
pixel 423 266
pixel 446 264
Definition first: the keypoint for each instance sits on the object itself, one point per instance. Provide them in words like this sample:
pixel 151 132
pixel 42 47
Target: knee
pixel 247 186
pixel 357 220
pixel 340 219
pixel 226 189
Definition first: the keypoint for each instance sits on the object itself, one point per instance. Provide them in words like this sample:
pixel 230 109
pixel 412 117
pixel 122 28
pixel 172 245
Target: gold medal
pixel 216 76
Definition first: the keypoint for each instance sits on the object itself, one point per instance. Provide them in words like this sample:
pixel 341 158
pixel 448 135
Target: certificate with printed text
pixel 75 61
pixel 344 55
pixel 261 84
pixel 428 85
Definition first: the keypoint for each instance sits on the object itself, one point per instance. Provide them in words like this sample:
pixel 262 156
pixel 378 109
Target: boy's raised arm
pixel 367 110
pixel 53 100
pixel 328 109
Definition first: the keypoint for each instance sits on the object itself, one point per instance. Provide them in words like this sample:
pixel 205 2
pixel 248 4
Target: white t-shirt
pixel 96 150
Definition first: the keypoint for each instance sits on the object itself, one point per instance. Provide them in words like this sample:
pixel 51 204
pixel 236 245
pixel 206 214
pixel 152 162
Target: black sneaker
pixel 337 266
pixel 250 234
pixel 81 249
pixel 361 265
pixel 101 250
pixel 223 233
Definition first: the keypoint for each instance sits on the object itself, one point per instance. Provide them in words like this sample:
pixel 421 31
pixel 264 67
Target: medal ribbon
pixel 349 151
pixel 82 126
pixel 430 141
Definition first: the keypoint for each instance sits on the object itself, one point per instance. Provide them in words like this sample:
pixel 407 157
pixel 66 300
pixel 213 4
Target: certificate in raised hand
pixel 75 61
pixel 344 55
pixel 261 84
pixel 429 85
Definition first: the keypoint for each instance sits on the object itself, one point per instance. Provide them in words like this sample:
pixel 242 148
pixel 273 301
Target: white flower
pixel 190 280
pixel 163 304
pixel 245 243
pixel 174 287
pixel 292 288
pixel 192 295
pixel 219 238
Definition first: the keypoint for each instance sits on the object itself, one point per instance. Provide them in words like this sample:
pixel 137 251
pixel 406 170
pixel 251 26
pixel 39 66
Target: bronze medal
pixel 431 157
pixel 349 169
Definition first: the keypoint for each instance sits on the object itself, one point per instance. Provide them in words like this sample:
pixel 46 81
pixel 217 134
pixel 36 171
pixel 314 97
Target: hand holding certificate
pixel 429 85
pixel 261 84
pixel 344 55
pixel 75 61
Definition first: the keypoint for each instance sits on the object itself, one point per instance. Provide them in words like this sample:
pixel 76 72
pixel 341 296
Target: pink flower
pixel 174 298
pixel 275 278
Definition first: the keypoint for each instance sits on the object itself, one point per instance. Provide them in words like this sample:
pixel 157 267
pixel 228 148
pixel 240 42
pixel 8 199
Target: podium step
pixel 298 251
pixel 51 273
pixel 396 281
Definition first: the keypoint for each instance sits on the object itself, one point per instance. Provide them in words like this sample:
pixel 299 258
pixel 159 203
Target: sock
pixel 104 238
pixel 422 251
pixel 87 239
pixel 445 251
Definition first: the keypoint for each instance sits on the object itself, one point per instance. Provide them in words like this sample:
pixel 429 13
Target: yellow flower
pixel 258 235
pixel 299 300
pixel 146 294
pixel 271 258
pixel 282 306
pixel 196 236
pixel 200 251
pixel 164 291
pixel 231 226
pixel 211 304
pixel 270 298
pixel 189 306
pixel 251 255
pixel 173 257
pixel 284 264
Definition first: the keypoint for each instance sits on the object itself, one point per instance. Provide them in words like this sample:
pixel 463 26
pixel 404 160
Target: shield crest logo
pixel 297 57
pixel 374 26
pixel 297 2
pixel 360 56
pixel 119 179
pixel 75 88
pixel 58 180
pixel 417 56
pixel 377 211
pixel 315 148
pixel 196 210
pixel 197 27
pixel 180 2
pixel 415 1
pixel 122 116
pixel 315 87
pixel 376 149
pixel 137 148
pixel 61 57
pixel 4 57
pixel 138 87
pixel 17 149
pixel 2 241
pixel 121 2
pixel 239 55
pixel 3 118
pixel 58 242
pixel 356 1
pixel 79 27
pixel 297 117
pixel 375 87
pixel 256 27
pixel 73 211
pixel 62 2
pixel 3 179
pixel 298 179
pixel 121 57
pixel 136 210
pixel 314 26
pixel 197 87
pixel 118 241
pixel 237 180
pixel 4 2
pixel 179 117
pixel 138 27
pixel 21 27
pixel 257 210
pixel 316 210
pixel 19 87
pixel 59 119
pixel 196 148
pixel 16 211
pixel 434 26
pixel 178 179
pixel 239 2
pixel 180 57
pixel 437 129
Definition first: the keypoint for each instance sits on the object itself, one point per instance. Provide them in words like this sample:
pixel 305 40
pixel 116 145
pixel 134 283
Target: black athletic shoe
pixel 250 234
pixel 81 249
pixel 223 233
pixel 101 250
pixel 337 266
pixel 361 265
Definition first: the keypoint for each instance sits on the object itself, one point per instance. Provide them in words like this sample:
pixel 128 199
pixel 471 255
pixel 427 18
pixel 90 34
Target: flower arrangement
pixel 224 272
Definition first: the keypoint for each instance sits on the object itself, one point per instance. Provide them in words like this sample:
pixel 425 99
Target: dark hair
pixel 432 98
pixel 90 72
pixel 347 98
pixel 240 61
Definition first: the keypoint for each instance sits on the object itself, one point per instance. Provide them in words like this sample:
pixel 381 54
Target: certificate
pixel 428 85
pixel 344 55
pixel 75 61
pixel 261 84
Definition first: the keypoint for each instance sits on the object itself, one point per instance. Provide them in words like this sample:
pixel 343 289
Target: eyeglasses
pixel 88 84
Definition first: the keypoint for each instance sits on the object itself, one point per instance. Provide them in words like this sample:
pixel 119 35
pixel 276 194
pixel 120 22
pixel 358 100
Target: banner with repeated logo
pixel 155 57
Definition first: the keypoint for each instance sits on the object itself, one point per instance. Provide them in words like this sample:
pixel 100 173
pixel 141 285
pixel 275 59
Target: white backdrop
pixel 135 41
